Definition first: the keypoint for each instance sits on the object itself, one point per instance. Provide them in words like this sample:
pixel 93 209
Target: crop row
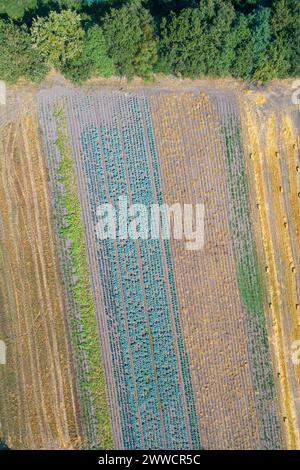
pixel 76 278
pixel 192 165
pixel 114 148
pixel 249 274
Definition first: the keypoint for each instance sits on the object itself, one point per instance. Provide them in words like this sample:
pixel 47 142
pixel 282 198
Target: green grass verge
pixel 249 272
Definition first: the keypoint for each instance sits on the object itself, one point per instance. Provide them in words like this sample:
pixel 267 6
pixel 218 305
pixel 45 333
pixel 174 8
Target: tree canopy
pixel 18 59
pixel 129 32
pixel 16 8
pixel 286 28
pixel 198 41
pixel 59 37
pixel 251 39
pixel 94 59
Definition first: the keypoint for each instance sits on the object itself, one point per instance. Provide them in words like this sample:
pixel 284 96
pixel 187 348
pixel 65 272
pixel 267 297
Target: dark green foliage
pixel 292 39
pixel 130 36
pixel 95 51
pixel 58 5
pixel 252 39
pixel 259 55
pixel 275 63
pixel 129 32
pixel 177 53
pixel 15 9
pixel 260 27
pixel 165 7
pixel 17 56
pixel 282 17
pixel 91 2
pixel 94 59
pixel 247 6
pixel 71 4
pixel 77 70
pixel 286 28
pixel 198 41
pixel 242 62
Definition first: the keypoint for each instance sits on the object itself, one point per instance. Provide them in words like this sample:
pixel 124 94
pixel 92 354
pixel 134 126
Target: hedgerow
pixel 252 40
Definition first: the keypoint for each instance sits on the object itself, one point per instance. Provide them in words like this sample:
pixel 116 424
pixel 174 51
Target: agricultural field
pixel 273 150
pixel 39 407
pixel 150 387
pixel 222 309
pixel 137 342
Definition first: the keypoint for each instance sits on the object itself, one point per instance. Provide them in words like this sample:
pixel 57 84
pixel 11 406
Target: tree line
pixel 252 39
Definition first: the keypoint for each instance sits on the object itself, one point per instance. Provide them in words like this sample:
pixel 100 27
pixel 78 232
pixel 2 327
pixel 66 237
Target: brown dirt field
pixel 272 139
pixel 190 150
pixel 38 403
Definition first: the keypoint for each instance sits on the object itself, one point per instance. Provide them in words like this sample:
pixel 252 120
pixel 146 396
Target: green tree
pixel 261 34
pixel 62 4
pixel 258 54
pixel 17 56
pixel 59 38
pixel 96 52
pixel 70 4
pixel 282 18
pixel 242 65
pixel 15 9
pixel 286 28
pixel 129 32
pixel 295 38
pixel 217 17
pixel 198 41
pixel 93 61
pixel 276 64
pixel 181 45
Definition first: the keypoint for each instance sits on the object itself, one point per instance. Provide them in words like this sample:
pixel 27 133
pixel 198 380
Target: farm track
pixel 38 400
pixel 272 139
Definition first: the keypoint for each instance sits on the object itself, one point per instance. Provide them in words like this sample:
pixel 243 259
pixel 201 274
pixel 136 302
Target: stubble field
pixel 38 400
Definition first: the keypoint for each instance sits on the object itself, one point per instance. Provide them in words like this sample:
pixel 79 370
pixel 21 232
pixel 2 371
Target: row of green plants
pixel 252 40
pixel 86 341
pixel 250 282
